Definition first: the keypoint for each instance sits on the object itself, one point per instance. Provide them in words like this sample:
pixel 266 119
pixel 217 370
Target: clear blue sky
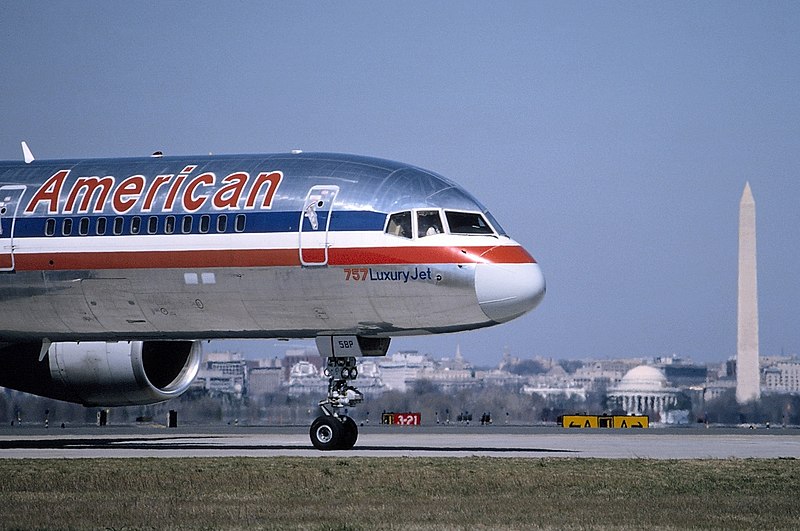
pixel 613 140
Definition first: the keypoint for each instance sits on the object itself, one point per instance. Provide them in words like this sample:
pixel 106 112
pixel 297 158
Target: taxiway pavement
pixel 389 441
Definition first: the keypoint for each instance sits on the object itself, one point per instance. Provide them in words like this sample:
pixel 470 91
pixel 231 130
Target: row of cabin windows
pixel 139 225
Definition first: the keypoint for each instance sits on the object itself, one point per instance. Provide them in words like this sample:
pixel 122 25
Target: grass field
pixel 407 493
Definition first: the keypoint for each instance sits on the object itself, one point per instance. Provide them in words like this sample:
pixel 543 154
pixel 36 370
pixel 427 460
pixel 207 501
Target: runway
pixel 386 441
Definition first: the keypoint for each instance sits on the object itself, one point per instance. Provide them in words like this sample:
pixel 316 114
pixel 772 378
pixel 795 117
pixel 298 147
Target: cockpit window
pixel 429 222
pixel 467 223
pixel 400 224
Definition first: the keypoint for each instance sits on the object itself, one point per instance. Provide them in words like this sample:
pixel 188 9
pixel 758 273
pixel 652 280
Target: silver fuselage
pixel 262 246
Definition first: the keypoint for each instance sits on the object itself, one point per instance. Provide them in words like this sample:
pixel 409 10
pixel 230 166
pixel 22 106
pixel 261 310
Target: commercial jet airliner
pixel 113 271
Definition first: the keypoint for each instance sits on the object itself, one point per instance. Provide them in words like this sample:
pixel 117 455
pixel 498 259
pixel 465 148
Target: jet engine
pixel 101 373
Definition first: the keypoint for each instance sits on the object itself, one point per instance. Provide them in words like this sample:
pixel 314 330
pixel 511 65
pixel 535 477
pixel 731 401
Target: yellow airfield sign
pixel 604 421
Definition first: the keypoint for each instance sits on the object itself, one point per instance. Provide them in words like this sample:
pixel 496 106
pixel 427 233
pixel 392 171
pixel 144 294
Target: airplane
pixel 114 271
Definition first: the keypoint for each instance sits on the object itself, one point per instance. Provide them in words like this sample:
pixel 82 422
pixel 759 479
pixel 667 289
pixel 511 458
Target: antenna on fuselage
pixel 26 152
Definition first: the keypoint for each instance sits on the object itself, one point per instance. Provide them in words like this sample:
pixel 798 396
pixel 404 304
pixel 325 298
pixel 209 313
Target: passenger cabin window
pixel 169 224
pixel 119 224
pixel 429 222
pixel 136 224
pixel 205 223
pixel 186 224
pixel 100 228
pixel 83 226
pixel 222 223
pixel 240 219
pixel 66 228
pixel 400 225
pixel 467 223
pixel 152 225
pixel 50 227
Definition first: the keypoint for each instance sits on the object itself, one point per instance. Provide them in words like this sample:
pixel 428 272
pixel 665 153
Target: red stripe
pixel 270 257
pixel 429 255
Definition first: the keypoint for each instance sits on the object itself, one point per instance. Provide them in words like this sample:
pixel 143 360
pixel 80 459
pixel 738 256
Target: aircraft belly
pixel 304 299
pixel 247 302
pixel 200 302
pixel 112 303
pixel 130 304
pixel 368 300
pixel 26 305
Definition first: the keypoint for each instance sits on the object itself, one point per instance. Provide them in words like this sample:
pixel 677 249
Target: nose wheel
pixel 332 431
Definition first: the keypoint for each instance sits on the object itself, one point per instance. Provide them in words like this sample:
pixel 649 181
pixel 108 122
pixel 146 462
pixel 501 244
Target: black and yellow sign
pixel 631 421
pixel 604 421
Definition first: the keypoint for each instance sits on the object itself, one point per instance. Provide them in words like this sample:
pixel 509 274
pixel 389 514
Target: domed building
pixel 643 391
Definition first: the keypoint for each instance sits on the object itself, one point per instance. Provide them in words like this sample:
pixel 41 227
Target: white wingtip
pixel 26 152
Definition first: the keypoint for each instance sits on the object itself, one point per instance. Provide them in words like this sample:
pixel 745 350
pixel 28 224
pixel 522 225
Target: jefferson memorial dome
pixel 644 390
pixel 643 378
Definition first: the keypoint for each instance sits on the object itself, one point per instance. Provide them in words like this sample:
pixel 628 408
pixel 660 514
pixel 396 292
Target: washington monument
pixel 748 379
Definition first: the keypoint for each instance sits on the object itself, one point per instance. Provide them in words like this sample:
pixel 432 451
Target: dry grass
pixel 419 493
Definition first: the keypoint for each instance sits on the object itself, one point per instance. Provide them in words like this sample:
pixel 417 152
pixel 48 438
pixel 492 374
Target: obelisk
pixel 748 377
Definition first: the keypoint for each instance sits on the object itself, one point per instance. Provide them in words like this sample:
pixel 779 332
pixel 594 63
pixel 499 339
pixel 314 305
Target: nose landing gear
pixel 332 431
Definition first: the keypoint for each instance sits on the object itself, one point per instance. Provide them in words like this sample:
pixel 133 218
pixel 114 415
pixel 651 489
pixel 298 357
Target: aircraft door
pixel 10 198
pixel 315 221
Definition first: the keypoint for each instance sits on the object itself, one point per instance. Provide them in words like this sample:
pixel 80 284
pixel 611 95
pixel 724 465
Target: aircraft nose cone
pixel 506 291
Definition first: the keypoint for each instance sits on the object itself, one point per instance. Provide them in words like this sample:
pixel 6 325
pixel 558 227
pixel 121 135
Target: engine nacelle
pixel 99 373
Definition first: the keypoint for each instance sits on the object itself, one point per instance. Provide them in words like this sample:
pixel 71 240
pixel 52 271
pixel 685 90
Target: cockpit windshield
pixel 428 222
pixel 467 223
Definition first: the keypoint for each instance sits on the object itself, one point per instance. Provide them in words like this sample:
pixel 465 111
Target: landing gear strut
pixel 332 431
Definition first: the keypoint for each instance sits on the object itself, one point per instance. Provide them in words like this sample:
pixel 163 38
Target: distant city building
pixel 222 373
pixel 685 375
pixel 448 379
pixel 714 390
pixel 628 384
pixel 400 370
pixel 602 374
pixel 370 378
pixel 644 390
pixel 306 378
pixel 555 392
pixel 458 363
pixel 264 380
pixel 296 355
pixel 555 383
pixel 782 377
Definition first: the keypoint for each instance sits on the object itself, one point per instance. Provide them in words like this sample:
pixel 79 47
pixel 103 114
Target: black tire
pixel 326 433
pixel 349 433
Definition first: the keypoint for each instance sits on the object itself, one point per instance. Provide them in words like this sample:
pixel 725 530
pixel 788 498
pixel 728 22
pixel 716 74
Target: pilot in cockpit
pixel 429 223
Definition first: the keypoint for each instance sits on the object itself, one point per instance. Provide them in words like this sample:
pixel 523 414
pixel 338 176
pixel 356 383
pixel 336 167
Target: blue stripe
pixel 255 222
